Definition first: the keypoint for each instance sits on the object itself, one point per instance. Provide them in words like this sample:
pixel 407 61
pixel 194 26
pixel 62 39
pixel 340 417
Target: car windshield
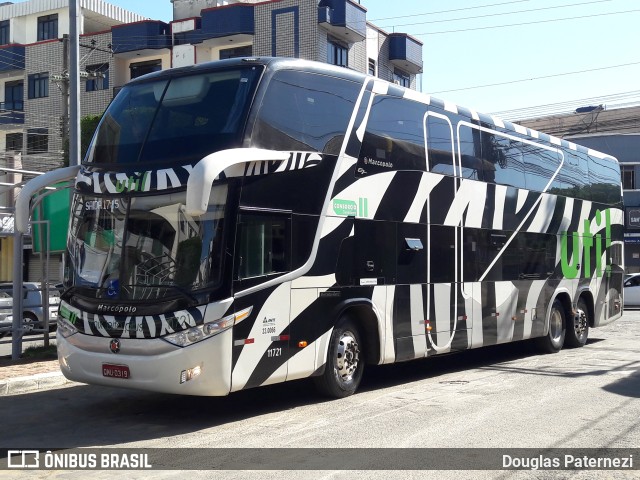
pixel 183 118
pixel 143 248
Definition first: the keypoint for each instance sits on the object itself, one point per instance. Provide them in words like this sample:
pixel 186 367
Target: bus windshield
pixel 180 119
pixel 144 248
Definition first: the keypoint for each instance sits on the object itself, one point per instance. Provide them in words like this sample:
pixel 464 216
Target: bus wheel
pixel 345 362
pixel 578 326
pixel 553 341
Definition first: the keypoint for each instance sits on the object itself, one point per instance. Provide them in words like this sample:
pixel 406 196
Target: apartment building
pixel 117 45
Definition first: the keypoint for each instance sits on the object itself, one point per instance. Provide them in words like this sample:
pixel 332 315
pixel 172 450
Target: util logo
pixel 585 244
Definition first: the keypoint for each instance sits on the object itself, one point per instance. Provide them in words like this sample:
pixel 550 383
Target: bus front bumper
pixel 201 369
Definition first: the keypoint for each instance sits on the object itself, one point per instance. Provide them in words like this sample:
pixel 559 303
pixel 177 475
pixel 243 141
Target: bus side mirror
pixel 210 168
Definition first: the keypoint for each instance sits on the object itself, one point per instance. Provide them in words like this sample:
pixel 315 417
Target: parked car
pixel 6 319
pixel 632 290
pixel 33 312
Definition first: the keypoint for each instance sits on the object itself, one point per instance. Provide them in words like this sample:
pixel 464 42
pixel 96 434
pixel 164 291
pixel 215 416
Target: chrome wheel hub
pixel 348 356
pixel 580 323
pixel 555 325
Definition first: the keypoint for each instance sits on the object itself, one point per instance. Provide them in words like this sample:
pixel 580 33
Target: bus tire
pixel 578 326
pixel 553 341
pixel 345 362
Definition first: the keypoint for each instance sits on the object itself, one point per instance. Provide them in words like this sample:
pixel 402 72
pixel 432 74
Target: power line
pixel 526 23
pixel 581 4
pixel 536 78
pixel 449 11
pixel 612 101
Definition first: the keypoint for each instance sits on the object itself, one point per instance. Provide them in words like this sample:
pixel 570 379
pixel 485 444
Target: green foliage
pixel 41 352
pixel 88 126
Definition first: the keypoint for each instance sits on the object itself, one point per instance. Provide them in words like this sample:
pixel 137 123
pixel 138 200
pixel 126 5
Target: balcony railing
pixel 11 58
pixel 236 19
pixel 11 113
pixel 145 35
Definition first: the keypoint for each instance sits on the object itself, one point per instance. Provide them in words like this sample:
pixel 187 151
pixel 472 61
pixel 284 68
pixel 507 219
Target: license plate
pixel 115 371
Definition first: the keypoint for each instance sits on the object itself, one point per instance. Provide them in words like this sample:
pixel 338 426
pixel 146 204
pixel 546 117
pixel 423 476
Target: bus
pixel 252 221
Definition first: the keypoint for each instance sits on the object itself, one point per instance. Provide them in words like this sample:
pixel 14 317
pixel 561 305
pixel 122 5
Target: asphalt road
pixel 499 397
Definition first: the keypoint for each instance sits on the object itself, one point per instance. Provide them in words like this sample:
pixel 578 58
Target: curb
pixel 39 381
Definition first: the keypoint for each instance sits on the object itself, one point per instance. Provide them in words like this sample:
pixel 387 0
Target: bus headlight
pixel 202 332
pixel 65 328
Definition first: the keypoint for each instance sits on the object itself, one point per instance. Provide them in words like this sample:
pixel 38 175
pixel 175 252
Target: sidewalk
pixel 29 375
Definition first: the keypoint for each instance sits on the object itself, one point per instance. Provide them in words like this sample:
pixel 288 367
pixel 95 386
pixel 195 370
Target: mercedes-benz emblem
pixel 114 345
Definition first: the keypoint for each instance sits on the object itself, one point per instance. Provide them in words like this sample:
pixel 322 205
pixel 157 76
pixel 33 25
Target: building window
pixel 142 68
pixel 236 52
pixel 48 27
pixel 38 85
pixel 14 142
pixel 337 54
pixel 4 32
pixel 13 96
pixel 372 67
pixel 98 77
pixel 401 78
pixel 628 177
pixel 37 140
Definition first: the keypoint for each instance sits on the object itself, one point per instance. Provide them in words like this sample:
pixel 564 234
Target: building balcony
pixel 343 19
pixel 405 52
pixel 229 20
pixel 147 36
pixel 11 58
pixel 9 116
pixel 228 25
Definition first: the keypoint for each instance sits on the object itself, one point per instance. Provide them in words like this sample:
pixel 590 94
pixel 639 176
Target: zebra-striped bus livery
pixel 253 221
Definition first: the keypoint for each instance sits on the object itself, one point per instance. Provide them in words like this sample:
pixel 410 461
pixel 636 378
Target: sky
pixel 509 56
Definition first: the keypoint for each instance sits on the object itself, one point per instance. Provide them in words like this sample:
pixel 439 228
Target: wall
pixel 285 13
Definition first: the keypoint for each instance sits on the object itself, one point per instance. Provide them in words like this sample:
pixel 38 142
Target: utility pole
pixel 74 84
pixel 64 87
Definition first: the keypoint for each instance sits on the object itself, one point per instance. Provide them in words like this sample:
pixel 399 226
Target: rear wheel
pixel 345 362
pixel 578 326
pixel 553 341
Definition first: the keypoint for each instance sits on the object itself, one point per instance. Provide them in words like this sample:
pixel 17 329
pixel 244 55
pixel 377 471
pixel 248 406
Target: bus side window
pixel 305 111
pixel 471 165
pixel 440 145
pixel 504 160
pixel 604 176
pixel 541 164
pixel 263 245
pixel 394 137
pixel 574 176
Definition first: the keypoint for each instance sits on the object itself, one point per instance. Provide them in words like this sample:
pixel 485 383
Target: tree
pixel 88 126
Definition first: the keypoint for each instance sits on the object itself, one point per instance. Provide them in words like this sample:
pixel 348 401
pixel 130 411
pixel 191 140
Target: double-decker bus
pixel 253 221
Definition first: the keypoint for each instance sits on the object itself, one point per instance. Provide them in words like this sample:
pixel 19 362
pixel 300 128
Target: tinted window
pixel 605 180
pixel 440 145
pixel 574 176
pixel 503 159
pixel 178 119
pixel 541 164
pixel 305 111
pixel 394 138
pixel 470 152
pixel 263 245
